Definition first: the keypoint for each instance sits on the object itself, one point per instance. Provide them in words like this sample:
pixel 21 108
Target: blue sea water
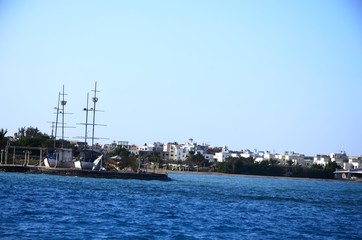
pixel 189 207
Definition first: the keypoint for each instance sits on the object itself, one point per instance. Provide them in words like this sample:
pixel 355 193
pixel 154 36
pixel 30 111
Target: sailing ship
pixel 59 157
pixel 91 157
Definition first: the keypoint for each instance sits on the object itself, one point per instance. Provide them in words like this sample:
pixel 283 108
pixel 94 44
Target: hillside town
pixel 180 152
pixel 187 156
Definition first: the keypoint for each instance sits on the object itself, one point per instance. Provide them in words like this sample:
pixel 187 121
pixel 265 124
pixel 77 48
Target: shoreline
pixel 260 176
pixel 83 173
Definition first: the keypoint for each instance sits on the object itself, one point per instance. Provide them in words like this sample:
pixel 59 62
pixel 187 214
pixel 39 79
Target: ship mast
pixel 63 103
pixel 60 109
pixel 86 121
pixel 56 121
pixel 95 100
pixel 93 124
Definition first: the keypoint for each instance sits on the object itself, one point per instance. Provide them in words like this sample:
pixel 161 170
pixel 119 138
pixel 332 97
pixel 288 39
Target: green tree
pixel 32 137
pixel 154 157
pixel 189 158
pixel 196 159
pixel 3 139
pixel 127 160
pixel 333 166
pixel 120 151
pixel 315 171
pixel 232 165
pixel 247 166
pixel 21 132
pixel 200 160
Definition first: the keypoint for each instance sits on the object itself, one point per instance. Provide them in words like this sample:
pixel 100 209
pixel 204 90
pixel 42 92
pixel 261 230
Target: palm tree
pixel 190 158
pixel 3 132
pixel 21 132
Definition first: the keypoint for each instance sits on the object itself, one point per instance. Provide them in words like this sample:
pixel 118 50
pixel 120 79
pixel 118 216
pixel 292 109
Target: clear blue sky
pixel 271 75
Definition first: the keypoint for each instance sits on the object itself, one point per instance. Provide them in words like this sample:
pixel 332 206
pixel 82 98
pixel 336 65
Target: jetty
pixel 349 174
pixel 83 173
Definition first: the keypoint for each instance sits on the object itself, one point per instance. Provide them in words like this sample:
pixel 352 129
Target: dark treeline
pixel 31 137
pixel 315 171
pixel 247 166
pixel 266 168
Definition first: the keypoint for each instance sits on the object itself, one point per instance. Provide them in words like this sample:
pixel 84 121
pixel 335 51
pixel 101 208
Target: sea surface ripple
pixel 189 207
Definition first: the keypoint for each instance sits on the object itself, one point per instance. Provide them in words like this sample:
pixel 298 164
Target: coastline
pixel 83 173
pixel 259 176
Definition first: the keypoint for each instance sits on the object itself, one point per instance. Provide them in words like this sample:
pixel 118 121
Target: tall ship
pixel 90 157
pixel 59 156
pixel 86 161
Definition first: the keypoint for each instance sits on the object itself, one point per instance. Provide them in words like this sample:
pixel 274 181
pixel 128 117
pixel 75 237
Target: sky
pixel 269 75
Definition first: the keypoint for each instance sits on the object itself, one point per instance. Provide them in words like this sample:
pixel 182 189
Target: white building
pixel 170 151
pixel 268 156
pixel 354 162
pixel 258 154
pixel 190 145
pixel 179 152
pixel 246 153
pixel 340 158
pixel 224 154
pixel 321 160
pixel 145 148
pixel 209 157
pixel 290 157
pixel 221 156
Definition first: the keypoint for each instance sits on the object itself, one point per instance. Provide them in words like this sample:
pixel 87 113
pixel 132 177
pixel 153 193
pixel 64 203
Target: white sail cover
pixel 96 162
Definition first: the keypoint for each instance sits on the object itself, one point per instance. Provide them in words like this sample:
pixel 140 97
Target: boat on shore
pixel 89 159
pixel 59 158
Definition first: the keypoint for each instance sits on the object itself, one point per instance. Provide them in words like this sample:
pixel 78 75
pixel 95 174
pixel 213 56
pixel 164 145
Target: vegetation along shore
pixel 131 158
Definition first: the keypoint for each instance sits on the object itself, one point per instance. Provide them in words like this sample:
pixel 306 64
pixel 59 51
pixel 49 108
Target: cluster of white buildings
pixel 175 152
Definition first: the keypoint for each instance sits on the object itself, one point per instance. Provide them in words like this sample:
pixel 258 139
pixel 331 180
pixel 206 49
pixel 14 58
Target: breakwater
pixel 84 173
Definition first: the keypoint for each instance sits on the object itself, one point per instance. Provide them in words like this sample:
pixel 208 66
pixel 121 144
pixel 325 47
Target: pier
pixel 83 173
pixel 350 174
pixel 29 160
